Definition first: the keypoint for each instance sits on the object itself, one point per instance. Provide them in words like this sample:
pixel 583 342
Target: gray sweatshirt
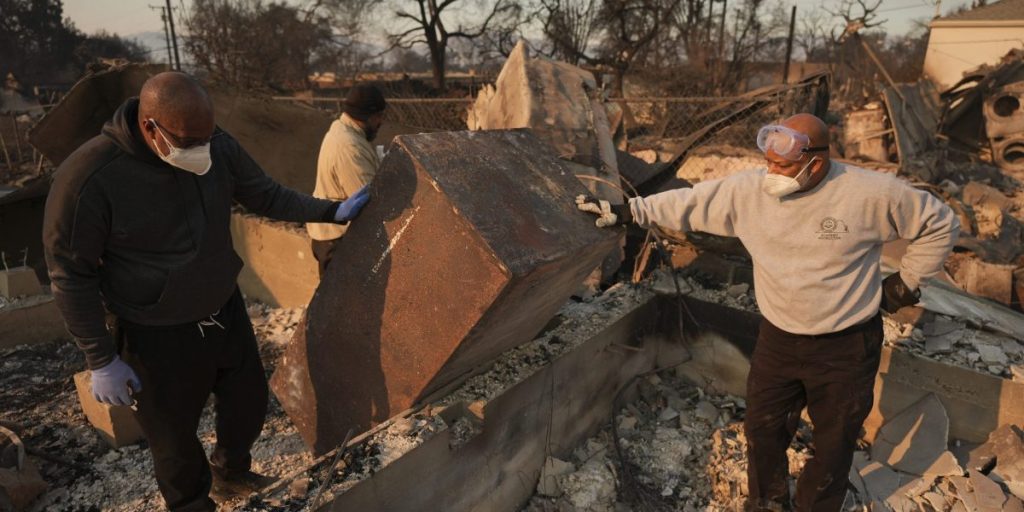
pixel 816 253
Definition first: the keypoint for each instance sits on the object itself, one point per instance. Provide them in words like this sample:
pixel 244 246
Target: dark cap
pixel 364 100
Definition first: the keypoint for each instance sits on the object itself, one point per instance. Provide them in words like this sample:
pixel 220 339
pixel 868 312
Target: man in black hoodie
pixel 137 225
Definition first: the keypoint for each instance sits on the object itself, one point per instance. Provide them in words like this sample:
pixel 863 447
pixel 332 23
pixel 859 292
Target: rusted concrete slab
pixel 498 469
pixel 470 243
pixel 280 269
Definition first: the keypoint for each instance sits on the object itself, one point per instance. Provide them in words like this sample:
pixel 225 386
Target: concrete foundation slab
pixel 470 244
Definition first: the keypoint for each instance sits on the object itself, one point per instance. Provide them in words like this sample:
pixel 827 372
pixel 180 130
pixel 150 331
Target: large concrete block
pixel 280 269
pixel 19 282
pixel 470 244
pixel 116 424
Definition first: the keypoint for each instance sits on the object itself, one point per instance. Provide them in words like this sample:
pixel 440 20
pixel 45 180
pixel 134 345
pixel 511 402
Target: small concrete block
pixel 19 488
pixel 115 423
pixel 18 282
pixel 738 289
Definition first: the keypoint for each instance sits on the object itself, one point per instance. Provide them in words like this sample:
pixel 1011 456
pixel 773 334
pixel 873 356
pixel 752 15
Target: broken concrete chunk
pixel 668 414
pixel 20 487
pixel 1013 504
pixel 434 283
pixel 941 325
pixel 627 423
pixel 706 411
pixel 737 290
pixel 988 495
pixel 992 354
pixel 988 280
pixel 880 481
pixel 914 441
pixel 940 344
pixel 548 484
pixel 975 193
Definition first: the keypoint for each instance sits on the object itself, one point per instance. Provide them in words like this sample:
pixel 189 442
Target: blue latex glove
pixel 349 208
pixel 110 383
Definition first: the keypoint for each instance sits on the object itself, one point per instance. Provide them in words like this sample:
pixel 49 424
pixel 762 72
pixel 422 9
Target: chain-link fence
pixel 717 132
pixel 19 161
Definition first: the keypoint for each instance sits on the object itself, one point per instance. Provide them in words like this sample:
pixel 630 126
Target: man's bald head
pixel 174 94
pixel 811 126
pixel 179 107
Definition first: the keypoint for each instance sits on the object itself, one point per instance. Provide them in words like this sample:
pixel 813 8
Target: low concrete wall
pixel 280 269
pixel 36 320
pixel 977 403
pixel 548 413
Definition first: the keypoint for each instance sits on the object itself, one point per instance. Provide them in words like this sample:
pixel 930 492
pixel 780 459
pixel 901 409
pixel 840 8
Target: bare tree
pixel 628 29
pixel 569 26
pixel 346 53
pixel 429 26
pixel 220 40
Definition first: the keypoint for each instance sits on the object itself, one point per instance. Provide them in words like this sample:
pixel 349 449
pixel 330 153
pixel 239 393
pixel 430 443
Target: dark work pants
pixel 323 250
pixel 180 366
pixel 833 375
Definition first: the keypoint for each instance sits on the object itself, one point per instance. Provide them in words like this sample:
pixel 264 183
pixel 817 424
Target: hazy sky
pixel 131 17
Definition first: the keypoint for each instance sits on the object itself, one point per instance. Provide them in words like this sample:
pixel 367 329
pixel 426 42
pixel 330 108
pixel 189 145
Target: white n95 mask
pixel 777 185
pixel 195 160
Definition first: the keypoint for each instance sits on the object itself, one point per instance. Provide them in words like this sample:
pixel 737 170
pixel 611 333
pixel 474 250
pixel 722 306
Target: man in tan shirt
pixel 347 162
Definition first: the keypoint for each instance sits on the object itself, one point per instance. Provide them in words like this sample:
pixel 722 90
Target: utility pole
pixel 789 46
pixel 174 37
pixel 167 34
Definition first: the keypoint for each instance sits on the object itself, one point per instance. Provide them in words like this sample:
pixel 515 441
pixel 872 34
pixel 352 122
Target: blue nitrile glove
pixel 110 383
pixel 349 208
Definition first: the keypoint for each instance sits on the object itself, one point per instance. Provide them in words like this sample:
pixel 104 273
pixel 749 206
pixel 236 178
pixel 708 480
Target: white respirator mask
pixel 777 185
pixel 195 160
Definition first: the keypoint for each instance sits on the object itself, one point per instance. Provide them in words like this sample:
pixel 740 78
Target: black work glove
pixel 607 214
pixel 896 294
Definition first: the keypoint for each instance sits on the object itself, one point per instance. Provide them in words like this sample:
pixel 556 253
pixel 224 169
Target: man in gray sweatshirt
pixel 814 229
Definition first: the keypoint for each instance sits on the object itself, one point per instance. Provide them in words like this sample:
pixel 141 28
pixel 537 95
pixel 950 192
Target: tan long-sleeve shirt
pixel 816 254
pixel 347 162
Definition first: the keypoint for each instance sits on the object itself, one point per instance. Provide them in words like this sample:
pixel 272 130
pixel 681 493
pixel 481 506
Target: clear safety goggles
pixel 785 142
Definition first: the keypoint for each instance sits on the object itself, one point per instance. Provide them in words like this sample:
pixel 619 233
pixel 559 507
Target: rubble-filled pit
pixel 681 448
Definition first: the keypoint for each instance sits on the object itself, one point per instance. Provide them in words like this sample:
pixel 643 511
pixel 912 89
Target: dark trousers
pixel 832 375
pixel 323 250
pixel 179 367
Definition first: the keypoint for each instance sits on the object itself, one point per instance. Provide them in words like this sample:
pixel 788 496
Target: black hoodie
pixel 151 242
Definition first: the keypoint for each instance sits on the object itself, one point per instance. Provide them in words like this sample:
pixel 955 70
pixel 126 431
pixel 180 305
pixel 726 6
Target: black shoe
pixel 239 485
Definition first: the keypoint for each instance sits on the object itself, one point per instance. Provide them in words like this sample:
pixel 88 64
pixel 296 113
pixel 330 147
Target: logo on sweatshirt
pixel 832 228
